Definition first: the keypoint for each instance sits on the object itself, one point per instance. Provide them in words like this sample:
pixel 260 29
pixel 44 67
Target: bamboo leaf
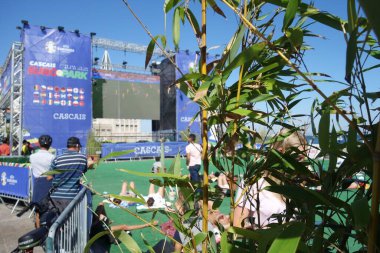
pixel 289 239
pixel 351 14
pixel 93 239
pixel 290 13
pixel 351 55
pixel 116 154
pixel 129 242
pixel 245 57
pixel 176 27
pixel 169 4
pixel 361 213
pixel 155 175
pixel 295 36
pixel 352 142
pixel 216 8
pixel 372 9
pixel 140 200
pixel 333 148
pixel 149 51
pixel 324 130
pixel 193 21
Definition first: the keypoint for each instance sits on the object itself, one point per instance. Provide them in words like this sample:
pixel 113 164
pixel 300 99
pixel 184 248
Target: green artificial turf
pixel 107 179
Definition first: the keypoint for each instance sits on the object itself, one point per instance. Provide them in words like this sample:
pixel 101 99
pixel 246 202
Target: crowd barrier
pixel 144 150
pixel 69 233
pixel 15 182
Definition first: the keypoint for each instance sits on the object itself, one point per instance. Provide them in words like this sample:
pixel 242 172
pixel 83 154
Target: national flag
pixel 69 89
pixel 63 95
pixel 36 87
pixel 81 91
pixel 56 88
pixel 36 101
pixel 57 102
pixel 50 101
pixel 75 90
pixel 50 88
pixel 63 89
pixel 43 94
pixel 75 97
pixel 69 103
pixel 43 101
pixel 81 97
pixel 75 103
pixel 43 87
pixel 56 95
pixel 50 95
pixel 81 103
pixel 69 96
pixel 63 102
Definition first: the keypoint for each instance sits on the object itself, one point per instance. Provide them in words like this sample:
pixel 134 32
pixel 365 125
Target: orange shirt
pixel 4 150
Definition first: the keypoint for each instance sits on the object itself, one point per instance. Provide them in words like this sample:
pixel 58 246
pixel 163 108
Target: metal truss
pixel 11 102
pixel 122 46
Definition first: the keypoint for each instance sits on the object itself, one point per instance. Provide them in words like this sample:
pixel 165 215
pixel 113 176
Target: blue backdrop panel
pixel 147 149
pixel 14 181
pixel 188 62
pixel 57 85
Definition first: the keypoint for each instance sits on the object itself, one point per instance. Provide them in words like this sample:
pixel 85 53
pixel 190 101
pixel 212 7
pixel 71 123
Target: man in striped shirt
pixel 67 184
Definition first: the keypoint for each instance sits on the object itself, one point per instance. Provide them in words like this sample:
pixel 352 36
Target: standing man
pixel 194 158
pixel 67 184
pixel 4 148
pixel 41 160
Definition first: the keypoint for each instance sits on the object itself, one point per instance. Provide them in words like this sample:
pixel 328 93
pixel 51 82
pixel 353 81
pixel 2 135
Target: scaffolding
pixel 11 101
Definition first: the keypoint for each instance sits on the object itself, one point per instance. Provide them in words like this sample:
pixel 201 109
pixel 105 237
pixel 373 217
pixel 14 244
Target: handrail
pixel 78 206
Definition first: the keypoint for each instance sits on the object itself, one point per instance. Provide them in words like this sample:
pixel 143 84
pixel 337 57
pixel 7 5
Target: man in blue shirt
pixel 67 184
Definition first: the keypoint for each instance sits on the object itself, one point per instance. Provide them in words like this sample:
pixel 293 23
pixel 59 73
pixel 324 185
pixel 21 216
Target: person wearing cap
pixel 67 185
pixel 41 160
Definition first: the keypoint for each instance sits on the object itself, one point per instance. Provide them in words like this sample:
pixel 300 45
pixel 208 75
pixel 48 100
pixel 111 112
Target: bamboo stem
pixel 204 133
pixel 373 225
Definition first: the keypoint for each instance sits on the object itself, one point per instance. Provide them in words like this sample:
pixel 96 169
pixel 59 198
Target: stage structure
pixel 178 112
pixel 46 87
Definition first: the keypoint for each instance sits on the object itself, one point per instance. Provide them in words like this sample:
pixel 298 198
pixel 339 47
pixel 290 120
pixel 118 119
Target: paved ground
pixel 12 227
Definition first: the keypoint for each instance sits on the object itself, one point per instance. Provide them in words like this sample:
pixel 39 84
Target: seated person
pixel 155 199
pixel 269 203
pixel 100 223
pixel 124 189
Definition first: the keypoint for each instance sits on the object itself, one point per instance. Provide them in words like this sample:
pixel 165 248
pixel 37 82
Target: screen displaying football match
pixel 126 96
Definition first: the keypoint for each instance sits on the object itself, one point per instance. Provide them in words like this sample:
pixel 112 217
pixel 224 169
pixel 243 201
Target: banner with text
pixel 147 149
pixel 14 181
pixel 57 85
pixel 188 62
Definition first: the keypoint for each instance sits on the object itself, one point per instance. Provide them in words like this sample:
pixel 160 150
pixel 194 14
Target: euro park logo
pixel 74 74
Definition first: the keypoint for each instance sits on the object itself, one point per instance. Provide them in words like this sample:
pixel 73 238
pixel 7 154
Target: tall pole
pixel 373 225
pixel 204 132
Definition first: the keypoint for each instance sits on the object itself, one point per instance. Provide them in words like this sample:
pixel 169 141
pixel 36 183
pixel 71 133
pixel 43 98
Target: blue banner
pixel 14 181
pixel 147 149
pixel 188 62
pixel 57 85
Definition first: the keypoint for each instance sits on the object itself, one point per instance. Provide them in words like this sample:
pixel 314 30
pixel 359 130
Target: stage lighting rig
pixel 61 28
pixel 125 64
pixel 43 28
pixel 18 27
pixel 92 34
pixel 96 60
pixel 77 32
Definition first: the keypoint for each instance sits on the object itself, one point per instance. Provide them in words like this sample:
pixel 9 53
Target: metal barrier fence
pixel 69 233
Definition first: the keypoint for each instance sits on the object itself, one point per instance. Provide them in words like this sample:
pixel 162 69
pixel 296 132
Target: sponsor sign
pixel 147 149
pixel 14 181
pixel 56 64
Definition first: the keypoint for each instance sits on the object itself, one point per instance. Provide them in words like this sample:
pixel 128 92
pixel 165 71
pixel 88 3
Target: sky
pixel 111 19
